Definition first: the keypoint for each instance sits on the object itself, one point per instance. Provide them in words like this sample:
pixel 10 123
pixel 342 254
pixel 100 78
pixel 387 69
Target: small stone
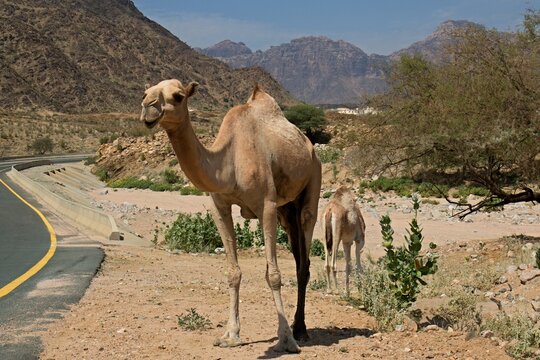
pixel 522 267
pixel 450 329
pixel 488 334
pixel 489 294
pixel 376 335
pixel 535 305
pixel 121 331
pixel 431 327
pixel 502 280
pixel 407 350
pixel 219 250
pixel 510 254
pixel 528 246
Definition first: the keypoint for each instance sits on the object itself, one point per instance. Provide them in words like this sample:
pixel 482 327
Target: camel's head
pixel 166 103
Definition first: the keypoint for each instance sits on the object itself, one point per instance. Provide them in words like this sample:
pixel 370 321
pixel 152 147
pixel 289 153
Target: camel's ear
pixel 147 86
pixel 191 87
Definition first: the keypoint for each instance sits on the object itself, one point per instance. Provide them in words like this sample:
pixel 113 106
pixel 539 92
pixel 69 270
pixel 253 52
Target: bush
pixel 170 176
pixel 465 190
pixel 328 154
pixel 190 190
pixel 405 265
pixel 461 313
pixel 307 117
pixel 130 182
pixel 42 145
pixel 376 295
pixel 317 248
pixel 193 321
pixel 247 238
pixel 327 194
pixel 102 173
pixel 518 327
pixel 193 233
pixel 402 186
pixel 537 257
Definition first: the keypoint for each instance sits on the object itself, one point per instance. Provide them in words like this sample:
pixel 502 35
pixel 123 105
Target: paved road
pixel 24 242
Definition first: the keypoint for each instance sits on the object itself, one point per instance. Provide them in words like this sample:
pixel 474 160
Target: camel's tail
pixel 328 230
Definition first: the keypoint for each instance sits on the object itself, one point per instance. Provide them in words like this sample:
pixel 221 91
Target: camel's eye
pixel 143 96
pixel 178 97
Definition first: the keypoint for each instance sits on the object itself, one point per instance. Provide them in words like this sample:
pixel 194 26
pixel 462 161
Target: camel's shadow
pixel 321 337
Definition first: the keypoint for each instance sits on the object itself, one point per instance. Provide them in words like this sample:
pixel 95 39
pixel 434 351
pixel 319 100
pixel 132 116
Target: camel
pixel 342 221
pixel 260 162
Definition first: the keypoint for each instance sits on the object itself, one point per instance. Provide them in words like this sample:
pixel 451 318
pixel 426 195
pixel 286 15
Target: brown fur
pixel 262 163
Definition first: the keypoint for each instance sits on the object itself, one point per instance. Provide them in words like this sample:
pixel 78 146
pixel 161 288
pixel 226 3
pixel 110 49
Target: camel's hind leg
pixel 348 264
pixel 307 208
pixel 223 219
pixel 286 341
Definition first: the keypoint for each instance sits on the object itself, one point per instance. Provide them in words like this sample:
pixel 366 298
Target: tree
pixel 308 118
pixel 42 145
pixel 475 116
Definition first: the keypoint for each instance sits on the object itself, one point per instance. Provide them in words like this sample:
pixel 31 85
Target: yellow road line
pixel 41 263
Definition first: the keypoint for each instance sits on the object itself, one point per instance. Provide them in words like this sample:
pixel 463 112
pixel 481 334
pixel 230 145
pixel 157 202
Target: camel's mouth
pixel 151 116
pixel 152 123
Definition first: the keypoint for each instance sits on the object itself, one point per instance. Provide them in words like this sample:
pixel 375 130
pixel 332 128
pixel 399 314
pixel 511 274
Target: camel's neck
pixel 202 166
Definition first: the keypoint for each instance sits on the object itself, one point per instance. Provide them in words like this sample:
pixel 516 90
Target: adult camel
pixel 260 162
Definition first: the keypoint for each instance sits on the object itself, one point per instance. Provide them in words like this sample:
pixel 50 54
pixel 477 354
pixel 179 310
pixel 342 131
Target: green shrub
pixel 247 238
pixel 173 162
pixel 327 194
pixel 465 190
pixel 91 160
pixel 427 189
pixel 537 257
pixel 192 321
pixel 405 265
pixel 518 327
pixel 42 145
pixel 376 295
pixel 193 233
pixel 170 176
pixel 102 173
pixel 328 154
pixel 319 283
pixel 461 312
pixel 402 186
pixel 130 182
pixel 317 248
pixel 190 190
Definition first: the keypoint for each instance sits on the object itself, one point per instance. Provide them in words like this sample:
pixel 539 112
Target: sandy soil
pixel 130 310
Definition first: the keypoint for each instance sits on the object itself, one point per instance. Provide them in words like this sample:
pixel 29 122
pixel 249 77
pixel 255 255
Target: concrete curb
pixel 95 220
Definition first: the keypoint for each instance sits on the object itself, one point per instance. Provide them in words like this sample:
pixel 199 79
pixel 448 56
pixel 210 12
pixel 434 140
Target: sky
pixel 376 26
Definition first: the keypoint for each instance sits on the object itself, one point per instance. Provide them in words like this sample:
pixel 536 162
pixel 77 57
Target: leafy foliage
pixel 317 249
pixel 474 115
pixel 376 295
pixel 405 265
pixel 192 321
pixel 307 118
pixel 193 233
pixel 519 328
pixel 328 154
pixel 42 145
pixel 461 312
pixel 537 258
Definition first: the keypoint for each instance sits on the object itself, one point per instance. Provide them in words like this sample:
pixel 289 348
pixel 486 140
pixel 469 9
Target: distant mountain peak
pixel 226 49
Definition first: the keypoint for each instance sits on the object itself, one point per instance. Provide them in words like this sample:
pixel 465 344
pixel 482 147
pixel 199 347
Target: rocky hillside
pixel 96 56
pixel 323 71
pixel 432 47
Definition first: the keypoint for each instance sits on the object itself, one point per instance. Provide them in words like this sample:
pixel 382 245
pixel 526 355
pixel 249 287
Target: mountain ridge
pixel 319 70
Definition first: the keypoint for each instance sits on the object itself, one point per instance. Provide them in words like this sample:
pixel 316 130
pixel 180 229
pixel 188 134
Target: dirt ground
pixel 130 310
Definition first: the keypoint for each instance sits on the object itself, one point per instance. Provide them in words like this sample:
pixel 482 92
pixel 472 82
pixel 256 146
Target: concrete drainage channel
pixel 93 219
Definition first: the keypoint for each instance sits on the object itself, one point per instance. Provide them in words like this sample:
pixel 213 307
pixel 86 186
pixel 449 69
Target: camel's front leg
pixel 286 340
pixel 223 219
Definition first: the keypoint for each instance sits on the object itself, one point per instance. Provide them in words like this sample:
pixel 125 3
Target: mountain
pixel 226 49
pixel 432 47
pixel 323 71
pixel 96 56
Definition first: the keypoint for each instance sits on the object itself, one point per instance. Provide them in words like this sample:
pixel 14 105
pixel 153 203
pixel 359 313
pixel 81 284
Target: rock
pixel 511 269
pixel 522 267
pixel 431 327
pixel 450 329
pixel 528 275
pixel 535 305
pixel 407 350
pixel 219 250
pixel 510 254
pixel 489 294
pixel 488 334
pixel 121 331
pixel 528 246
pixel 502 280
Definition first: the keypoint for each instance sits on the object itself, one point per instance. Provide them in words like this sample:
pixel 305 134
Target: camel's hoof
pixel 287 345
pixel 227 342
pixel 300 335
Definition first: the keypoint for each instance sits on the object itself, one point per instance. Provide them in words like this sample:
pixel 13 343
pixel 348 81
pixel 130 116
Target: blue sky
pixel 377 26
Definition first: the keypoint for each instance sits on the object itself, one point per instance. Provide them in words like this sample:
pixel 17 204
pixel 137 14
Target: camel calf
pixel 342 221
